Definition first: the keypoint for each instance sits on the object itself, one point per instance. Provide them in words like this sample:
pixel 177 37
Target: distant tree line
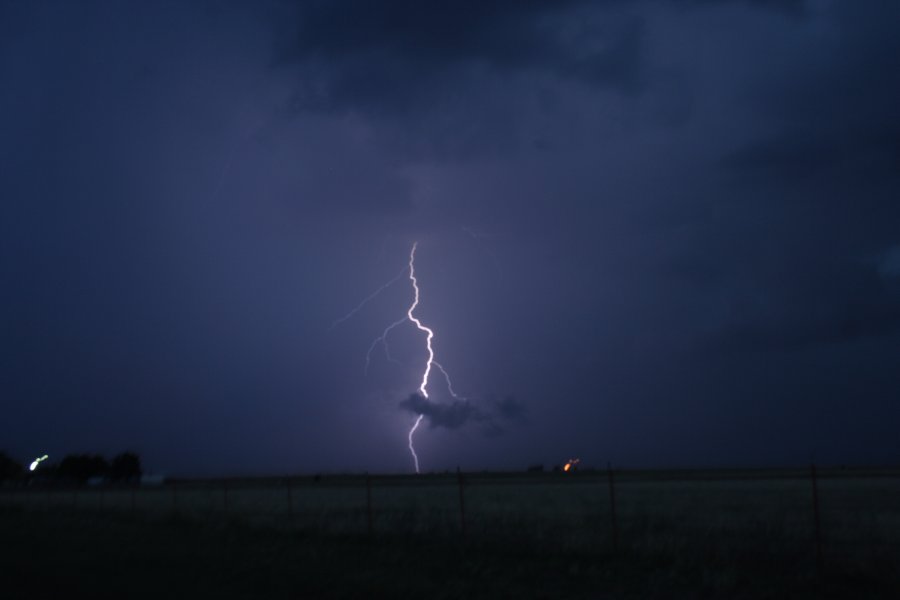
pixel 9 468
pixel 76 469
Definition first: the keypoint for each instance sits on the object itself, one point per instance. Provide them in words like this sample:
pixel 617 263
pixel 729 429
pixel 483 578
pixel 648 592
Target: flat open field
pixel 728 534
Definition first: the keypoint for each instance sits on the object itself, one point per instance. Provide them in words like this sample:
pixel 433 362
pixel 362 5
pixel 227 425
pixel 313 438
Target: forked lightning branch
pixel 429 337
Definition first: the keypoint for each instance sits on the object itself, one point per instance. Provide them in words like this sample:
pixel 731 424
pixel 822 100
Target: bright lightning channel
pixel 429 336
pixel 423 387
pixel 412 449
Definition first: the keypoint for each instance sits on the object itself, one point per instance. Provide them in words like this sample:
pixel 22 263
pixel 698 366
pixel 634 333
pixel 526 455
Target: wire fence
pixel 829 514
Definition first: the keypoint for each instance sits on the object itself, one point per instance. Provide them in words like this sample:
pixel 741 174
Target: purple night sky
pixel 652 233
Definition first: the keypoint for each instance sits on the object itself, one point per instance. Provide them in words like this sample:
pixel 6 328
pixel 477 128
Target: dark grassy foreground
pixel 84 553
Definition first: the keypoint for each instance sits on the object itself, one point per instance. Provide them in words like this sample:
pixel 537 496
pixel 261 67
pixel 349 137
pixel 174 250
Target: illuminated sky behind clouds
pixel 669 231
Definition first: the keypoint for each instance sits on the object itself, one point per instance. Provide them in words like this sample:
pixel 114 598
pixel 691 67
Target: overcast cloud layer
pixel 669 230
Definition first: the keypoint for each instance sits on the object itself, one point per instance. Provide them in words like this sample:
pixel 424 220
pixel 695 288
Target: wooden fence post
pixel 816 521
pixel 369 503
pixel 612 507
pixel 290 501
pixel 462 503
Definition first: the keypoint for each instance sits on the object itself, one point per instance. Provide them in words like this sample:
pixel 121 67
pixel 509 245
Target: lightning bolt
pixel 423 387
pixel 412 449
pixel 429 337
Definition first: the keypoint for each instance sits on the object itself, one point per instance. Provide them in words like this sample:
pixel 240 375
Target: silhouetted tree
pixel 125 467
pixel 9 468
pixel 81 467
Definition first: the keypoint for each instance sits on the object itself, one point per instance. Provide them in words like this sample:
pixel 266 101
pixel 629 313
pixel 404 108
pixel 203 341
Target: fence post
pixel 290 499
pixel 462 503
pixel 612 507
pixel 369 503
pixel 174 498
pixel 225 495
pixel 816 522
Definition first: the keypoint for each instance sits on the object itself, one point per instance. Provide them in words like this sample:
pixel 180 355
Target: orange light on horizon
pixel 570 466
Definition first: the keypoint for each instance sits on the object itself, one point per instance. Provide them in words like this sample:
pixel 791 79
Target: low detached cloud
pixel 456 414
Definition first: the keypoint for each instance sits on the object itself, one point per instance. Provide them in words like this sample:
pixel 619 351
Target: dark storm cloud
pixel 838 114
pixel 454 81
pixel 790 7
pixel 459 413
pixel 786 157
pixel 848 304
pixel 396 56
pixel 794 155
pixel 836 145
pixel 889 265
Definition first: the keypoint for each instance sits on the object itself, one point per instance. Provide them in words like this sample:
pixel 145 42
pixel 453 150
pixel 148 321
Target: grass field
pixel 710 534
